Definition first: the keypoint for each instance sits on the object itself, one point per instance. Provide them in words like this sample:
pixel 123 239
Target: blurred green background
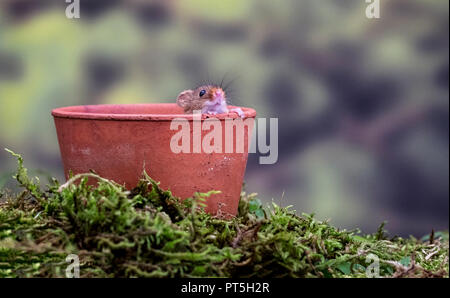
pixel 363 104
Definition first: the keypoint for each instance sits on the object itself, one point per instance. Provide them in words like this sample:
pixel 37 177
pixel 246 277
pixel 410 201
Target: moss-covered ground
pixel 147 232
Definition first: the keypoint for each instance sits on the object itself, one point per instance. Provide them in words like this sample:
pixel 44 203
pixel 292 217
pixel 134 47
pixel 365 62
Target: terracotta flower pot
pixel 116 141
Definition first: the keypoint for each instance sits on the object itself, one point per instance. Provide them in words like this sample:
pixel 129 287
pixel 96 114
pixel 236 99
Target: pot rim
pixel 85 112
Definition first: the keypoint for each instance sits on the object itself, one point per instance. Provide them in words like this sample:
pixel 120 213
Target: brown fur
pixel 190 100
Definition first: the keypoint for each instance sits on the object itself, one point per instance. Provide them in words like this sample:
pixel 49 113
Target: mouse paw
pixel 239 112
pixel 212 113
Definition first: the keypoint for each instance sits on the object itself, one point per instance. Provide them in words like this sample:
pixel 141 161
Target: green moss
pixel 147 232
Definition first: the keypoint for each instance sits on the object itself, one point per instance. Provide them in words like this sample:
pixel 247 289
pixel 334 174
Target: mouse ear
pixel 184 98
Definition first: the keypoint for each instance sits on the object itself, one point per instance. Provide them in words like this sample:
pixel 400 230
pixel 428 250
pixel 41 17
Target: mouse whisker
pixel 223 79
pixel 228 90
pixel 230 83
pixel 208 77
pixel 231 94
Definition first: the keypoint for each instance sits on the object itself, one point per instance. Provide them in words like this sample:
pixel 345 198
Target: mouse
pixel 209 99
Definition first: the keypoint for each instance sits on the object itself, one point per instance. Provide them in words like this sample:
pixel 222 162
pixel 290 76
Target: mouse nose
pixel 219 94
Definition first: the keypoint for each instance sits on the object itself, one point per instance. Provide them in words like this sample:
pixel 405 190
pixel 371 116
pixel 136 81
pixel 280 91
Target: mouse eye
pixel 202 93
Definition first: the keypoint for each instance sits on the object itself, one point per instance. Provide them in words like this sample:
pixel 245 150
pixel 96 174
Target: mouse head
pixel 204 95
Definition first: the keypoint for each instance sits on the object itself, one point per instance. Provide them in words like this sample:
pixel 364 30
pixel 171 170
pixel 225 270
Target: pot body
pixel 119 141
